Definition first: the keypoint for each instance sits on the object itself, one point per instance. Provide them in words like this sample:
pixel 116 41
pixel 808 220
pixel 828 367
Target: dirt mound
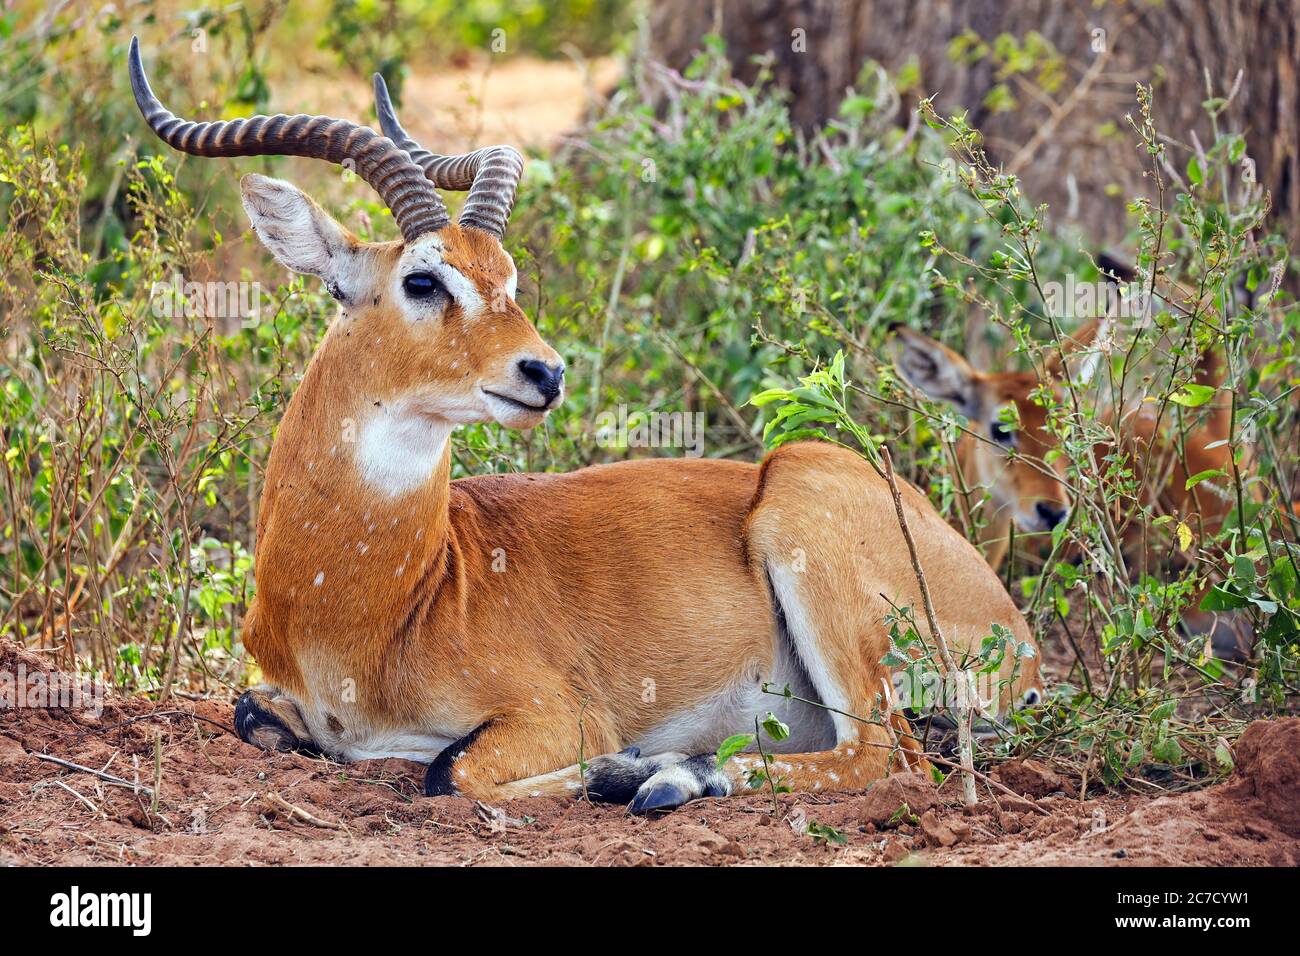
pixel 136 782
pixel 1268 771
pixel 1252 819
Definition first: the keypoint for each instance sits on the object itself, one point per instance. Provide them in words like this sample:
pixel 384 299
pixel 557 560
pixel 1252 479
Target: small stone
pixel 11 751
pixel 703 837
pixel 1029 777
pixel 896 850
pixel 936 831
pixel 886 798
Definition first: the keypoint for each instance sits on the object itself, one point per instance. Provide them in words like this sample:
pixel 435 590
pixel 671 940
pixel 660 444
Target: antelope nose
pixel 1050 514
pixel 549 379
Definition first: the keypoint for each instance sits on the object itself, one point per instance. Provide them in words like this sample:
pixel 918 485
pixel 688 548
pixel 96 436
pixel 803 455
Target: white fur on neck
pixel 399 449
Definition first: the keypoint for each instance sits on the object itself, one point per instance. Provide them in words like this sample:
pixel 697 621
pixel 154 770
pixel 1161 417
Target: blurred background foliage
pixel 680 239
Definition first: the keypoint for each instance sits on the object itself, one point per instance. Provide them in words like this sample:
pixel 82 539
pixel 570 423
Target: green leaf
pixel 768 396
pixel 1220 599
pixel 732 746
pixel 1224 756
pixel 1192 395
pixel 902 814
pixel 774 728
pixel 1201 476
pixel 1243 571
pixel 825 833
pixel 1167 750
pixel 1164 711
pixel 1136 755
pixel 812 396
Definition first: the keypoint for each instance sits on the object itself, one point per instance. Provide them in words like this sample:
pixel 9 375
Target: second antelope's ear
pixel 1114 268
pixel 1080 350
pixel 936 370
pixel 300 234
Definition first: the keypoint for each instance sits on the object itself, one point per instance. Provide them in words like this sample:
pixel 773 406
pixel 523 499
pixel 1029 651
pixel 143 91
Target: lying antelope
pixel 510 628
pixel 1021 481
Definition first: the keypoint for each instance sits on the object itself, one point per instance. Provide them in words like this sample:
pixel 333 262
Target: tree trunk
pixel 1074 151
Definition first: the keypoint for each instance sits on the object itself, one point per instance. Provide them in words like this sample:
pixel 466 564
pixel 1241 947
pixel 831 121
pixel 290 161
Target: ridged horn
pixel 491 174
pixel 401 184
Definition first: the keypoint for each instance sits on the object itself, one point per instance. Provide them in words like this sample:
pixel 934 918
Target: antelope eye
pixel 1001 434
pixel 422 285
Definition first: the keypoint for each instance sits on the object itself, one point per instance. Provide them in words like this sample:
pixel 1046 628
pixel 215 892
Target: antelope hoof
pixel 680 783
pixel 616 778
pixel 266 718
pixel 660 798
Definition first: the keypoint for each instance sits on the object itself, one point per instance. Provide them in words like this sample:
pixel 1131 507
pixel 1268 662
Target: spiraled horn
pixel 401 184
pixel 491 174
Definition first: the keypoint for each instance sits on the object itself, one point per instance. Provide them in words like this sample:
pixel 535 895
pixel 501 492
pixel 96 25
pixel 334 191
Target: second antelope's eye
pixel 422 285
pixel 1001 434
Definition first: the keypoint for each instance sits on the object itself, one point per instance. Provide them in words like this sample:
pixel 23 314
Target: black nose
pixel 549 379
pixel 1051 514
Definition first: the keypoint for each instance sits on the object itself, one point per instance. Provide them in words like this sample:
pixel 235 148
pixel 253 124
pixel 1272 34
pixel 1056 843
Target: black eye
pixel 421 285
pixel 1001 434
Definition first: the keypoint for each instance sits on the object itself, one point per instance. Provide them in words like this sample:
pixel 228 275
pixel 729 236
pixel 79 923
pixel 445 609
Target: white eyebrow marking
pixel 462 290
pixel 427 254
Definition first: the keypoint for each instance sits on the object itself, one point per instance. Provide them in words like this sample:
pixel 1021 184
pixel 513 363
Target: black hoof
pixel 659 799
pixel 437 779
pixel 715 788
pixel 258 726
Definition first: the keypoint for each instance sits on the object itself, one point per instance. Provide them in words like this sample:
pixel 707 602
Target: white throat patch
pixel 399 449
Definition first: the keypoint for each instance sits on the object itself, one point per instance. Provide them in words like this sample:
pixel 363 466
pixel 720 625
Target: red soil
pixel 221 801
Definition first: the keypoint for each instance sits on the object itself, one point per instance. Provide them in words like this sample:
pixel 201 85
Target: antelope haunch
pixel 505 628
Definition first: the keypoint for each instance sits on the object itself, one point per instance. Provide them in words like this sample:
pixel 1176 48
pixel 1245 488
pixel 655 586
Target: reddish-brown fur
pixel 539 609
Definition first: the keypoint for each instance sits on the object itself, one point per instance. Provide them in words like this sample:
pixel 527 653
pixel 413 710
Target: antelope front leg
pixel 509 757
pixel 269 718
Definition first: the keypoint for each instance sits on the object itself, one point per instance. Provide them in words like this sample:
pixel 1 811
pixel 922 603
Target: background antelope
pixel 504 628
pixel 1019 471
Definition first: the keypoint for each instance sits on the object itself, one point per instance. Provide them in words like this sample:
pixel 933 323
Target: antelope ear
pixel 1081 352
pixel 300 234
pixel 936 370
